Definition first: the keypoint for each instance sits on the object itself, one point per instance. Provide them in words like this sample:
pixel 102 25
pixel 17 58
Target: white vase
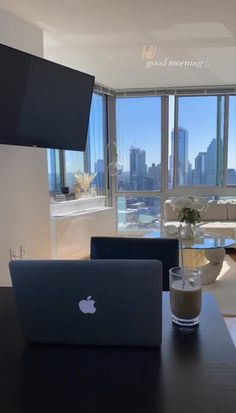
pixel 188 232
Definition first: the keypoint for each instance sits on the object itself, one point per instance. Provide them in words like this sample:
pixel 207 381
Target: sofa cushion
pixel 231 207
pixel 216 211
pixel 169 213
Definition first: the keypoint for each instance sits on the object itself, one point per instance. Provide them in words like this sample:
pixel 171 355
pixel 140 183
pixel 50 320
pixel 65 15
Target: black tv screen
pixel 42 103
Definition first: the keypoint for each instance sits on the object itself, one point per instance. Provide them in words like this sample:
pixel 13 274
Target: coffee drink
pixel 185 299
pixel 185 295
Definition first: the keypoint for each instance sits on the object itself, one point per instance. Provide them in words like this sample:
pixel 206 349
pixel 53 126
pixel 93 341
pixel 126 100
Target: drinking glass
pixel 185 296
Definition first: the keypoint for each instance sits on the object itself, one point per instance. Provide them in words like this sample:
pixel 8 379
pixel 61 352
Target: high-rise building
pixel 190 179
pixel 138 167
pixel 200 169
pixel 154 173
pixel 211 163
pixel 171 159
pixel 183 162
pixel 231 176
pixel 100 169
pixel 206 165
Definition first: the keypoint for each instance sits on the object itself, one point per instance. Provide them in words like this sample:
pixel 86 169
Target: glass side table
pixel 205 251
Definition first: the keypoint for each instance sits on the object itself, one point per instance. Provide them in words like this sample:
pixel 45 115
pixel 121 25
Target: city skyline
pixel 203 170
pixel 141 176
pixel 138 123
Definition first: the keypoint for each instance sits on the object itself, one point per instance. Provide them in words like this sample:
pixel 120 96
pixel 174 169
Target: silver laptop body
pixel 97 302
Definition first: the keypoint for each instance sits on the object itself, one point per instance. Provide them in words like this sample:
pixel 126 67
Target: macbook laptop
pixel 97 302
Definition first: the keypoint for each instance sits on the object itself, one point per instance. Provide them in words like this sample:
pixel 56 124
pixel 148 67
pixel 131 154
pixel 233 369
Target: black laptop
pixel 97 302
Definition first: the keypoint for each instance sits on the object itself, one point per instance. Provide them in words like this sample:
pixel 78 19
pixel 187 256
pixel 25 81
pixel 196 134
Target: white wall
pixel 71 235
pixel 17 33
pixel 24 198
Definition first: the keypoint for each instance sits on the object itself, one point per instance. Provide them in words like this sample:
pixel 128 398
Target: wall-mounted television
pixel 42 103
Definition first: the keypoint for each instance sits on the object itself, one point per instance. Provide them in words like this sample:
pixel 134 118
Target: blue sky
pixel 198 116
pixel 139 120
pixel 139 124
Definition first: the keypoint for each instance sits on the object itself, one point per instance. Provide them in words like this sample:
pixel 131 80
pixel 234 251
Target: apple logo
pixel 87 306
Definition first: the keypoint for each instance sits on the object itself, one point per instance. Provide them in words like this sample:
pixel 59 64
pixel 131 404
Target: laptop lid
pixel 97 302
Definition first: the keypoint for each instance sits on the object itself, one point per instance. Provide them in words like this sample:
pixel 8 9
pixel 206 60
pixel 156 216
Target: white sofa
pixel 218 218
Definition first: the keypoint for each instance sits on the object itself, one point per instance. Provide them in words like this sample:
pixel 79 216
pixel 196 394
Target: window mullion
pixel 164 149
pixel 220 141
pixel 226 140
pixel 62 167
pixel 176 143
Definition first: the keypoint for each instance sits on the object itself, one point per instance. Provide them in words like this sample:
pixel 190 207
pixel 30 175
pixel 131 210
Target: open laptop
pixel 97 302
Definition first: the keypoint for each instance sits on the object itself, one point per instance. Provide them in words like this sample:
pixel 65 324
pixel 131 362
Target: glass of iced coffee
pixel 185 295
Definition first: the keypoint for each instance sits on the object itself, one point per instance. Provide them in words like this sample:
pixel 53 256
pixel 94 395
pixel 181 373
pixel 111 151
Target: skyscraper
pixel 138 167
pixel 154 173
pixel 231 176
pixel 183 162
pixel 211 163
pixel 206 165
pixel 200 169
pixel 100 169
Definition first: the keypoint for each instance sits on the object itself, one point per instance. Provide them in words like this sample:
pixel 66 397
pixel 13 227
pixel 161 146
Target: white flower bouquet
pixel 188 208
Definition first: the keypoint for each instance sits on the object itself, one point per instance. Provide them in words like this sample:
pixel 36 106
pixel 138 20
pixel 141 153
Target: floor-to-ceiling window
pixel 199 141
pixel 167 146
pixel 92 160
pixel 195 160
pixel 62 165
pixel 138 134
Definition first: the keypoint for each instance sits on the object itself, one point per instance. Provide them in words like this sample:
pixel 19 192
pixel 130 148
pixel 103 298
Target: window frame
pixel 176 147
pixel 160 193
pixel 156 191
pixel 62 161
pixel 227 143
pixel 165 192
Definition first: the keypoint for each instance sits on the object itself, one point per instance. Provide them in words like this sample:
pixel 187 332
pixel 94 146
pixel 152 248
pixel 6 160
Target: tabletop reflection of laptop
pixel 98 302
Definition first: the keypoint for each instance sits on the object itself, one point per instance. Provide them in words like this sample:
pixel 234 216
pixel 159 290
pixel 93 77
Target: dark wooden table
pixel 194 371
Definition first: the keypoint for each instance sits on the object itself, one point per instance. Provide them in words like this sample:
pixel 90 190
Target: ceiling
pixel 137 43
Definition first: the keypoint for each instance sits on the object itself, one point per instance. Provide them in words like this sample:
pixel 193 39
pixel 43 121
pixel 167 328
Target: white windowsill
pixel 77 206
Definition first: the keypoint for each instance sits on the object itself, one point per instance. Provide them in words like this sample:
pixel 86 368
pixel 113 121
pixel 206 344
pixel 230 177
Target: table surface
pixel 203 241
pixel 193 371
